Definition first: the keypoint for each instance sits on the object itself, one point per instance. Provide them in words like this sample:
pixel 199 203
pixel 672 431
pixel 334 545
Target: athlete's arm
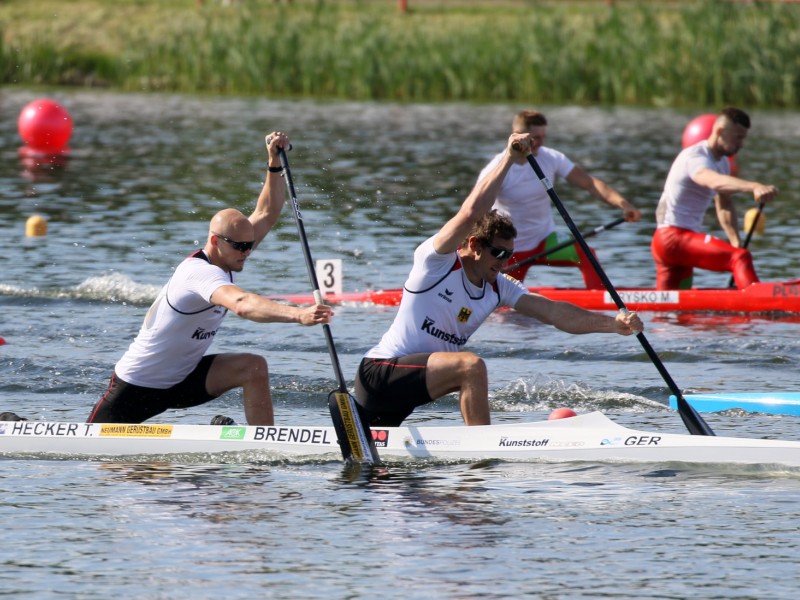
pixel 726 215
pixel 727 184
pixel 574 319
pixel 273 193
pixel 480 199
pixel 263 310
pixel 600 189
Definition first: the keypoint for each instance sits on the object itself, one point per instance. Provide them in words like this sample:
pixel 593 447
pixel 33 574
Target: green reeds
pixel 694 53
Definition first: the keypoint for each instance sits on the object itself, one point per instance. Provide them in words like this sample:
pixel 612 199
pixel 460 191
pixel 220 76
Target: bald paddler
pixel 456 282
pixel 166 366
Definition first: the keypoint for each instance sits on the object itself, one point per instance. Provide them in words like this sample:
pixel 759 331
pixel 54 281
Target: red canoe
pixel 764 297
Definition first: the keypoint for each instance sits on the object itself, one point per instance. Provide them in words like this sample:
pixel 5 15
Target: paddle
pixel 355 437
pixel 563 245
pixel 731 283
pixel 693 421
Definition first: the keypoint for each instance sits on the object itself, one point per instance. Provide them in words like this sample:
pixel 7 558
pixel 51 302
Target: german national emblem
pixel 464 314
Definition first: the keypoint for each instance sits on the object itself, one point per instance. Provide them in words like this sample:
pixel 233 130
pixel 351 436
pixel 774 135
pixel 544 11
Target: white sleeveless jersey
pixel 440 308
pixel 683 202
pixel 524 199
pixel 178 328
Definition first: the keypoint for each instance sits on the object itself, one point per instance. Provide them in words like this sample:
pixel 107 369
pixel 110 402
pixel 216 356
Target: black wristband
pixel 274 169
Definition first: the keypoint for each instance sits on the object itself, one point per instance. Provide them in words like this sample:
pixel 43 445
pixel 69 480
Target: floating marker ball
pixel 562 413
pixel 750 216
pixel 45 126
pixel 2 341
pixel 699 129
pixel 35 226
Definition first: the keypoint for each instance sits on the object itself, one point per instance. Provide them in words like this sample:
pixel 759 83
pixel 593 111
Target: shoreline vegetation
pixel 671 53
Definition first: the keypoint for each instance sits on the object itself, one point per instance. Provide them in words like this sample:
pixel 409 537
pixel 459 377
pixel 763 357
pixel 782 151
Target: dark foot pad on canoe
pixel 10 416
pixel 222 420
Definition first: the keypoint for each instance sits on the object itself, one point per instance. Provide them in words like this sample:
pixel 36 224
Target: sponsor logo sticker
pixel 507 442
pixel 434 442
pixel 232 433
pixel 114 430
pixel 380 437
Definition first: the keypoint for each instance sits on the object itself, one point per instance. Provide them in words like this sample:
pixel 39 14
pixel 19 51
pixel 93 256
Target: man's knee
pixel 230 370
pixel 451 371
pixel 472 365
pixel 256 366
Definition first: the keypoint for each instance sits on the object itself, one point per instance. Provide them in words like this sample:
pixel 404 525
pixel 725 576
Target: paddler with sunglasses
pixel 455 283
pixel 166 366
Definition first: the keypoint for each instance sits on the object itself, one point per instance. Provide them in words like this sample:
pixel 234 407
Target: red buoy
pixel 562 413
pixel 699 129
pixel 45 126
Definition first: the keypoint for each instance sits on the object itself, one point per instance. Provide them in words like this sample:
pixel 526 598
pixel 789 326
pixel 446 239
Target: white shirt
pixel 178 328
pixel 440 308
pixel 524 199
pixel 684 202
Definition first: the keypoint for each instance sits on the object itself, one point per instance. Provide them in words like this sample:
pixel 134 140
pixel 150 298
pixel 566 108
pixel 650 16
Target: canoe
pixel 589 437
pixel 762 297
pixel 773 403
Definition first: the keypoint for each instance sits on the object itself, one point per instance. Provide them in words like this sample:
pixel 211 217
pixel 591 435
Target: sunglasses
pixel 499 253
pixel 240 246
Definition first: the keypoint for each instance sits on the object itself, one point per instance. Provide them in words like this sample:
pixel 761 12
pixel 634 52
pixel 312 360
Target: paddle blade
pixel 692 419
pixel 352 431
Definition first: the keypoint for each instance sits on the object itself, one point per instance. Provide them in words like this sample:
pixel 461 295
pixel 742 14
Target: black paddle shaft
pixel 731 282
pixel 353 432
pixel 693 421
pixel 312 273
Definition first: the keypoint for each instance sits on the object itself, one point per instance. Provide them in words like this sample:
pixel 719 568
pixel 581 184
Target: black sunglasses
pixel 499 253
pixel 240 246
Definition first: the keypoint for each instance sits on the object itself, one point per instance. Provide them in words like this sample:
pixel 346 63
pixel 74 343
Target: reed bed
pixel 706 53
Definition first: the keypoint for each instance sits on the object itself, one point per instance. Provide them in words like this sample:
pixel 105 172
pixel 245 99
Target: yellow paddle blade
pixel 750 216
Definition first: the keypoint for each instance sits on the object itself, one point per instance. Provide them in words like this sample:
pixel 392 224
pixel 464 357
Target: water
pixel 147 173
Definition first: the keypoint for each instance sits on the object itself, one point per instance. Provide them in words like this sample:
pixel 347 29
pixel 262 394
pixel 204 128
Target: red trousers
pixel 678 251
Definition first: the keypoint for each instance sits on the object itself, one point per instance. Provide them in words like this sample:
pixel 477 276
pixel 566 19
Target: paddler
pixel 699 173
pixel 455 283
pixel 166 366
pixel 523 199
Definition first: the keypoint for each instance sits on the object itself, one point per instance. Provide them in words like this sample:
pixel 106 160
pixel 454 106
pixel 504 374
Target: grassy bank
pixel 635 53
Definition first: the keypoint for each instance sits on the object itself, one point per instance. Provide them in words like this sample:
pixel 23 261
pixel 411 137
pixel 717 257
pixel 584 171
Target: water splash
pixel 541 393
pixel 112 287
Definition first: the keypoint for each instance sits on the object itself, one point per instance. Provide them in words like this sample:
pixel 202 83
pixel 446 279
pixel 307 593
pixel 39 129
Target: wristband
pixel 274 169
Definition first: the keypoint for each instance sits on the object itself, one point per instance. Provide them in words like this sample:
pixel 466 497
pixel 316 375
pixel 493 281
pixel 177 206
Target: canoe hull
pixel 590 437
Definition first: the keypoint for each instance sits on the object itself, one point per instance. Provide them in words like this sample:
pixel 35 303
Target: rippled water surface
pixel 145 176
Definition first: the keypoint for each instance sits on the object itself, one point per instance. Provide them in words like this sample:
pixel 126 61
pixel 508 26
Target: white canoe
pixel 589 437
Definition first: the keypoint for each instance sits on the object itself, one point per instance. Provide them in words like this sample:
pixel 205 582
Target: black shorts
pixel 124 402
pixel 389 389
